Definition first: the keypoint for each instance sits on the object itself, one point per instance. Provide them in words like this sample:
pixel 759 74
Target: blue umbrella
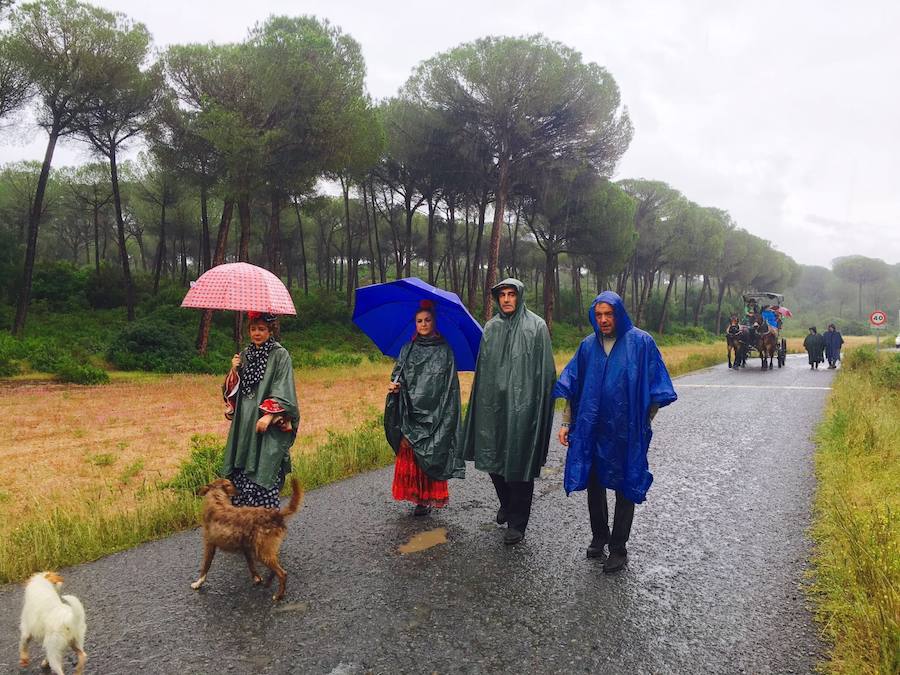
pixel 387 314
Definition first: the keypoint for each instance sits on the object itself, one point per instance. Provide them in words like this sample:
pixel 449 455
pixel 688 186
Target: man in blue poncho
pixel 613 386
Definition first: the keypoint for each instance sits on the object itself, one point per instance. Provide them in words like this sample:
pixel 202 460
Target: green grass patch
pixel 856 579
pixel 131 471
pixel 95 528
pixel 693 362
pixel 102 459
pixel 68 536
pixel 344 455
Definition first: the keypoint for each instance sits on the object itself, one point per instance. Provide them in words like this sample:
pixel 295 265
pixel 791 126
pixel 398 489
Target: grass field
pixel 89 460
pixel 856 580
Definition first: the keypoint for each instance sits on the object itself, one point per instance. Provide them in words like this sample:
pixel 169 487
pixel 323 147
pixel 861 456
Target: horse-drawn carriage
pixel 758 331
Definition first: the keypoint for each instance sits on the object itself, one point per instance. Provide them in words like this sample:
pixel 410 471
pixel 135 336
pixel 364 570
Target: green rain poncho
pixel 508 424
pixel 260 456
pixel 426 411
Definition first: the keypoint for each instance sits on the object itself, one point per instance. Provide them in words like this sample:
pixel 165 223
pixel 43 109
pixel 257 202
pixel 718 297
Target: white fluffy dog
pixel 59 622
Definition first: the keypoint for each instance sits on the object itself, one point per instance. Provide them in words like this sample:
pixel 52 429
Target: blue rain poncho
pixel 610 397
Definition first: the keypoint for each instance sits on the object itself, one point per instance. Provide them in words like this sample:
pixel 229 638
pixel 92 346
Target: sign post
pixel 878 319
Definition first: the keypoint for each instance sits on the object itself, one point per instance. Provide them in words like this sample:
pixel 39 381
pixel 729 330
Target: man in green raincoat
pixel 508 423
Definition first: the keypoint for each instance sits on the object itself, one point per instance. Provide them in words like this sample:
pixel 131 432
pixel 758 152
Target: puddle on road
pixel 425 540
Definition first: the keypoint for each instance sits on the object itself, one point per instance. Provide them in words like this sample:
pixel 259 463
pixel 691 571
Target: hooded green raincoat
pixel 260 456
pixel 510 413
pixel 427 407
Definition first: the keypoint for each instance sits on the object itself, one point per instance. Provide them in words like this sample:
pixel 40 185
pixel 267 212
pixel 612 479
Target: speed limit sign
pixel 878 318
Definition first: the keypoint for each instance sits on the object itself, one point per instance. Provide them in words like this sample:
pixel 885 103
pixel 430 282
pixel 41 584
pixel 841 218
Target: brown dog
pixel 255 531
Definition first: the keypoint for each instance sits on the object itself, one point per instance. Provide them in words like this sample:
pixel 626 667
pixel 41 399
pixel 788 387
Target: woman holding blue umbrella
pixel 422 417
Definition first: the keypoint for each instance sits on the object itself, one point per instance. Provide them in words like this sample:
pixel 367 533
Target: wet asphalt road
pixel 713 583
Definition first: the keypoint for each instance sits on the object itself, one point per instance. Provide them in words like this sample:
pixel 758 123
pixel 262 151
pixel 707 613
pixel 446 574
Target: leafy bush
pixel 10 352
pixel 106 290
pixel 153 346
pixel 861 358
pixel 8 367
pixel 317 307
pixel 82 374
pixel 44 354
pixel 61 284
pixel 679 334
pixel 889 373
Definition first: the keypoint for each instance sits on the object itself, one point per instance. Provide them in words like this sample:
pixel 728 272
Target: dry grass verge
pixel 857 517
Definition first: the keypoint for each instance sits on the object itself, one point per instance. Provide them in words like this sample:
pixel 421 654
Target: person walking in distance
pixel 833 343
pixel 510 415
pixel 814 344
pixel 613 386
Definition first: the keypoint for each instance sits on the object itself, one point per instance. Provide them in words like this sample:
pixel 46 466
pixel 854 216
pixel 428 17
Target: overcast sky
pixel 787 114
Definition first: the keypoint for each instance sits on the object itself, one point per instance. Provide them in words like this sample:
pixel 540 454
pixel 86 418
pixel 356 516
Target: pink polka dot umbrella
pixel 241 287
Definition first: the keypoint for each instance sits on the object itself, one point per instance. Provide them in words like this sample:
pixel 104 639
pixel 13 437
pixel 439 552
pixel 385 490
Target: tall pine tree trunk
pixel 161 246
pixel 302 248
pixel 475 270
pixel 34 220
pixel 550 265
pixel 665 306
pixel 120 227
pixel 719 307
pixel 494 250
pixel 205 253
pixel 218 258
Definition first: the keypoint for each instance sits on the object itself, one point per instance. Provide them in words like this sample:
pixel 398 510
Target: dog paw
pixel 197 584
pixel 257 580
pixel 23 662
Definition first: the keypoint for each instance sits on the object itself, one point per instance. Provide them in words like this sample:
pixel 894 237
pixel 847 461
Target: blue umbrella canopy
pixel 387 314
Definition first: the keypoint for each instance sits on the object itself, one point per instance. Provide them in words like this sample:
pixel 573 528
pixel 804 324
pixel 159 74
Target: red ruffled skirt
pixel 414 485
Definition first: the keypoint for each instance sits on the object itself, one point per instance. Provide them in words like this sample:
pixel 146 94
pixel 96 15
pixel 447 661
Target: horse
pixel 736 337
pixel 765 340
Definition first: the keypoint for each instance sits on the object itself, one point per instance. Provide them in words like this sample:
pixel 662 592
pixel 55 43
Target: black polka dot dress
pixel 253 494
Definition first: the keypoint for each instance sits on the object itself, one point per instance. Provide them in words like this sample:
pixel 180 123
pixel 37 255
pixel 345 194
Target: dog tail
pixel 296 499
pixel 80 624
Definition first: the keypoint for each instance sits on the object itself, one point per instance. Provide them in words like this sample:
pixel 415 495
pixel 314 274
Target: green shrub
pixel 861 358
pixel 82 374
pixel 8 367
pixel 61 284
pixel 10 353
pixel 44 354
pixel 317 307
pixel 201 467
pixel 889 372
pixel 107 289
pixel 153 346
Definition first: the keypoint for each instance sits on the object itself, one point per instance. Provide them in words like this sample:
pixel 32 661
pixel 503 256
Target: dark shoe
pixel 421 510
pixel 512 536
pixel 596 549
pixel 501 516
pixel 615 561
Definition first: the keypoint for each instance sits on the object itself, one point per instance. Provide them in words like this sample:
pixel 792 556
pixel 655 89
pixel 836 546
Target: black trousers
pixel 515 497
pixel 622 518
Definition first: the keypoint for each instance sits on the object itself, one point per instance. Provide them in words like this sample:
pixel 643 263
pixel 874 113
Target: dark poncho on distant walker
pixel 508 424
pixel 428 406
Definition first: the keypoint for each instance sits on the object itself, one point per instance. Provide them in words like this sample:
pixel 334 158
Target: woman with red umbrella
pixel 261 402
